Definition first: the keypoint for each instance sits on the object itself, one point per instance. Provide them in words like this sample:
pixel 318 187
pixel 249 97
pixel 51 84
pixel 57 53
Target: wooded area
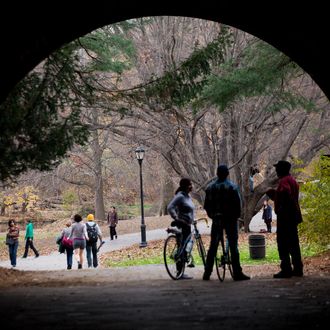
pixel 194 93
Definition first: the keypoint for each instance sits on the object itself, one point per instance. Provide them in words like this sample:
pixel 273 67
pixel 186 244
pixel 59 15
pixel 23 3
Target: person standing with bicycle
pixel 181 209
pixel 223 206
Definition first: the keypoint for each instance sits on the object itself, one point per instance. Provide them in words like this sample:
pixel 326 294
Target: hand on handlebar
pixel 202 219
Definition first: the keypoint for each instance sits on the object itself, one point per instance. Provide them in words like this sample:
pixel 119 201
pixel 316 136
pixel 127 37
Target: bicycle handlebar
pixel 201 219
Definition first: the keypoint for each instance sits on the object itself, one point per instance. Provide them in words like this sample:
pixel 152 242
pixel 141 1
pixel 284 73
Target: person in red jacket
pixel 289 216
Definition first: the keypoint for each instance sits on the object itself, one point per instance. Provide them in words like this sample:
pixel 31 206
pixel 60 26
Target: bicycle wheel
pixel 220 262
pixel 173 263
pixel 201 249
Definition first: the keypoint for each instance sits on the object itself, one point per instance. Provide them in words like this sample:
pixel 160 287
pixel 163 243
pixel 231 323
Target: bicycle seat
pixel 174 230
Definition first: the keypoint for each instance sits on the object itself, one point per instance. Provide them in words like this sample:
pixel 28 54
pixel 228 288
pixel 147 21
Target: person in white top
pixel 79 237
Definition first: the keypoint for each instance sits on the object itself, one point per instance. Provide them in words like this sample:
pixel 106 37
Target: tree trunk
pixel 97 158
pixel 167 191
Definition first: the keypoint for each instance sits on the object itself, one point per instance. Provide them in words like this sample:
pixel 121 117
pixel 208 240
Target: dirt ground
pixel 144 297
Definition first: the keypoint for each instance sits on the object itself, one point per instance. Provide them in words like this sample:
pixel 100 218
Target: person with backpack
pixel 94 233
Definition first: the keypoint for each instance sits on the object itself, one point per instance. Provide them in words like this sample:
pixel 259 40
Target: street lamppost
pixel 139 152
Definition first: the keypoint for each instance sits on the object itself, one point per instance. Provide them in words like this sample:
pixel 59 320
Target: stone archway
pixel 30 31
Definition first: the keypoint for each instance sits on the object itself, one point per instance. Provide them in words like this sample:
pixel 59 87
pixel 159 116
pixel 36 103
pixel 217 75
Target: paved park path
pixel 57 261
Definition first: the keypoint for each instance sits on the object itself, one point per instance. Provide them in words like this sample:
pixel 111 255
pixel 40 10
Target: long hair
pixel 183 185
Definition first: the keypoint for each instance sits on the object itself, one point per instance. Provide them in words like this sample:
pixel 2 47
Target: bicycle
pixel 223 259
pixel 175 258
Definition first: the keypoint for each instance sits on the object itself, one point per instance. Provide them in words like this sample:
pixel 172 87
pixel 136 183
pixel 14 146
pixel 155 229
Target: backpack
pixel 92 233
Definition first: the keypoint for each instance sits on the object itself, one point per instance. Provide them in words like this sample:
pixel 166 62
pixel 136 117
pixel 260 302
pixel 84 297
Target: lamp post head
pixel 139 152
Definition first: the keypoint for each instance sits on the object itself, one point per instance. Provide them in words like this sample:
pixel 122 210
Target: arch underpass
pixel 29 32
pixel 127 300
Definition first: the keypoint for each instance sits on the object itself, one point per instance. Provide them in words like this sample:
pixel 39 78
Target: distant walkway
pixel 57 261
pixel 258 224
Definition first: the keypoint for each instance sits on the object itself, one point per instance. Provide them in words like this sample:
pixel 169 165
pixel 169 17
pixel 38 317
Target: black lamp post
pixel 139 152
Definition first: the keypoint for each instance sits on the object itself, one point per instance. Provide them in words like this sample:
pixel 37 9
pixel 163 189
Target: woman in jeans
pixel 182 209
pixel 68 248
pixel 13 233
pixel 79 237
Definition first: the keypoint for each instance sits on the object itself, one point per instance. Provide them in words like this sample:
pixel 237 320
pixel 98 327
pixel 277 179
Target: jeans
pixel 91 249
pixel 186 231
pixel 231 229
pixel 69 255
pixel 13 253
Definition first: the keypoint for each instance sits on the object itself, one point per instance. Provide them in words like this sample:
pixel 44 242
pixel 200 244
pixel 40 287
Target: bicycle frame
pixel 174 249
pixel 223 258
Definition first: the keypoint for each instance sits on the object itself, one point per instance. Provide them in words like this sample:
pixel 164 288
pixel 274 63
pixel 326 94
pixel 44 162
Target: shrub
pixel 315 204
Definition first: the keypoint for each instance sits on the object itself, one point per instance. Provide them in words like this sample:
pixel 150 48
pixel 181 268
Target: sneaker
pixel 185 277
pixel 206 277
pixel 282 274
pixel 241 277
pixel 190 262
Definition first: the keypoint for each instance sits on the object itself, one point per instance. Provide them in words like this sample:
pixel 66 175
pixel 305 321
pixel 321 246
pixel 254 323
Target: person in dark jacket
pixel 223 206
pixel 289 216
pixel 112 220
pixel 29 240
pixel 267 215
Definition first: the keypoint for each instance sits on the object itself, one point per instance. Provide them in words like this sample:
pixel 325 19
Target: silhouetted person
pixel 223 206
pixel 289 216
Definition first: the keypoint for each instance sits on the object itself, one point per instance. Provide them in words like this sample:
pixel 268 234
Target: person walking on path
pixel 79 236
pixel 267 215
pixel 112 220
pixel 67 244
pixel 12 234
pixel 94 233
pixel 223 206
pixel 29 240
pixel 182 209
pixel 289 216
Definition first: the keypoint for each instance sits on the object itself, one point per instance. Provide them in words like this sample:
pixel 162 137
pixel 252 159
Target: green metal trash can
pixel 257 246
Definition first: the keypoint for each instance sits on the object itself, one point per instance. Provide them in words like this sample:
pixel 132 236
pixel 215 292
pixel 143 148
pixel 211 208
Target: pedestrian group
pixel 222 204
